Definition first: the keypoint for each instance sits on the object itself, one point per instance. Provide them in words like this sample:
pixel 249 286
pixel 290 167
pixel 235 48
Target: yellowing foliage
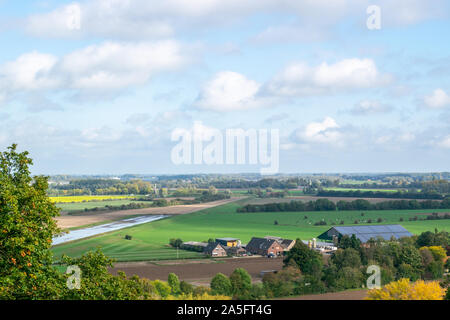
pixel 403 289
pixel 438 252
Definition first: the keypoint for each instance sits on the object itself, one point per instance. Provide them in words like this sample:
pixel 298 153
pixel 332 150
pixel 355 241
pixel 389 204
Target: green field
pixel 80 206
pixel 69 199
pixel 150 240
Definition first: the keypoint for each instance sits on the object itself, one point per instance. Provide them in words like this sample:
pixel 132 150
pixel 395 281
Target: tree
pixel 346 258
pixel 349 242
pixel 174 283
pixel 221 284
pixel 27 226
pixel 241 282
pixel 403 289
pixel 309 261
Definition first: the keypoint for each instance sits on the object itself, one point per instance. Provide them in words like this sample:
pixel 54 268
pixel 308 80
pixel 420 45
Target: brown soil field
pixel 70 221
pixel 199 272
pixel 313 198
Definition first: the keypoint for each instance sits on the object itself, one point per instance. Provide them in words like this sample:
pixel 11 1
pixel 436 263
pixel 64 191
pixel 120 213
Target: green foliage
pixel 174 283
pixel 221 284
pixel 307 260
pixel 186 288
pixel 27 226
pixel 176 243
pixel 346 258
pixel 349 242
pixel 241 282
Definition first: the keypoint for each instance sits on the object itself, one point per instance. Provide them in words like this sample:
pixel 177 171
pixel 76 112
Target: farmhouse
pixel 365 233
pixel 215 250
pixel 264 247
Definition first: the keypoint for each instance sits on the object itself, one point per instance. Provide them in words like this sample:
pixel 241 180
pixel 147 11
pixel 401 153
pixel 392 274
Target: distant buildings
pixel 229 242
pixel 215 250
pixel 264 247
pixel 267 246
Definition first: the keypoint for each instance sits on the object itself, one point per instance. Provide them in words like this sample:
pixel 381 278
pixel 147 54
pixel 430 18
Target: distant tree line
pixel 380 194
pixel 102 187
pixel 359 204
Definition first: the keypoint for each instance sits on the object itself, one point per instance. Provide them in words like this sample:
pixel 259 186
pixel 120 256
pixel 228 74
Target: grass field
pixel 80 206
pixel 69 199
pixel 150 240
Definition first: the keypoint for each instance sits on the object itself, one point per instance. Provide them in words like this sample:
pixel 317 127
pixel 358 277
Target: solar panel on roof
pixel 364 233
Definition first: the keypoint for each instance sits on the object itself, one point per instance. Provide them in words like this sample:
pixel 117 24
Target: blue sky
pixel 97 87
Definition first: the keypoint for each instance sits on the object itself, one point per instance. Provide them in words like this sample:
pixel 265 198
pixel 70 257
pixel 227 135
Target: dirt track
pixel 70 221
pixel 199 271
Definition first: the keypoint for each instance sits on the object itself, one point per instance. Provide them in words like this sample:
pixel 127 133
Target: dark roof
pixel 286 243
pixel 259 244
pixel 211 246
pixel 364 233
pixel 227 239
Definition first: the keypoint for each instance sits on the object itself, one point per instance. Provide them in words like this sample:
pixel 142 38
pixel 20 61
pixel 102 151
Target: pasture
pixel 80 206
pixel 150 241
pixel 78 199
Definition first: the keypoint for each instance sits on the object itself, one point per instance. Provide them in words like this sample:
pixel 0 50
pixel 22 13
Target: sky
pixel 100 86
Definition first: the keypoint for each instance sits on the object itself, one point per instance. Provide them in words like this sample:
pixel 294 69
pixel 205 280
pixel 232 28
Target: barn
pixel 365 233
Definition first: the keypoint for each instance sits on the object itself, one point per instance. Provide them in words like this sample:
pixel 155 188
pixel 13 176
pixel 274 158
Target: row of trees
pixel 359 204
pixel 431 194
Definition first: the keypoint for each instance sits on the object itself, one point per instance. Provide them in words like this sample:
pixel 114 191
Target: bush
pixel 241 282
pixel 221 285
pixel 405 290
pixel 174 283
pixel 186 288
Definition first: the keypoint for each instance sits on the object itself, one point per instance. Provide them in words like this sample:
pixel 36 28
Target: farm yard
pixel 150 241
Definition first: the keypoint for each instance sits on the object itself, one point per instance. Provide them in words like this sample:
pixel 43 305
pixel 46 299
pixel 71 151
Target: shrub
pixel 221 284
pixel 403 289
pixel 174 283
pixel 186 288
pixel 241 282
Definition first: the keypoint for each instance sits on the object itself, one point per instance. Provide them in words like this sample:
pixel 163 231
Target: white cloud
pixel 228 91
pixel 29 71
pixel 368 107
pixel 117 65
pixel 300 79
pixel 108 66
pixel 438 99
pixel 326 131
pixel 142 18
